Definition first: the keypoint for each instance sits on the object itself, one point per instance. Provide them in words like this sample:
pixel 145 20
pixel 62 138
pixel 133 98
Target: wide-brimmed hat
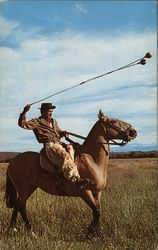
pixel 47 106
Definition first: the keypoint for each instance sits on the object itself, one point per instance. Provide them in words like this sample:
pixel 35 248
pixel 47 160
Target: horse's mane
pixel 92 129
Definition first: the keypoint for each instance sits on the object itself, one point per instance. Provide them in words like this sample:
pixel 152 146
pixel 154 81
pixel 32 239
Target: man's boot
pixel 82 183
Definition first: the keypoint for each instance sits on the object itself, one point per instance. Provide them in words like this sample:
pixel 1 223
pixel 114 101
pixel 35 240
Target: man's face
pixel 47 114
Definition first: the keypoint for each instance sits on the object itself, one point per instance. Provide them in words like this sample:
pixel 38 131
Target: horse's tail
pixel 10 192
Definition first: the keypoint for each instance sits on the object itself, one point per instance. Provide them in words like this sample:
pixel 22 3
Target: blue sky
pixel 47 46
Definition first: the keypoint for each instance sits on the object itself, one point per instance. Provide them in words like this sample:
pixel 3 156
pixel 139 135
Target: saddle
pixel 46 164
pixel 52 172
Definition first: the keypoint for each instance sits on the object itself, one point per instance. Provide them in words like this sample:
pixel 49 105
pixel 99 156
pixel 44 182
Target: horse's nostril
pixel 132 132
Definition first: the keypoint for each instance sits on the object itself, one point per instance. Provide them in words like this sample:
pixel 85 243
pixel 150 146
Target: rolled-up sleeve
pixel 23 123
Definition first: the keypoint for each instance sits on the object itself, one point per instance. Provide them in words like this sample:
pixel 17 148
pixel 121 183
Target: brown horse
pixel 25 175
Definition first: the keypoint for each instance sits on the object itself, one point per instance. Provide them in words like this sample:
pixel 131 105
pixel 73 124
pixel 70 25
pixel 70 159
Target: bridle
pixel 113 142
pixel 107 136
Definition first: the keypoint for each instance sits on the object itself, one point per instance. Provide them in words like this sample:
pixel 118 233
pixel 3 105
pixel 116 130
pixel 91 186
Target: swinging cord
pixel 141 61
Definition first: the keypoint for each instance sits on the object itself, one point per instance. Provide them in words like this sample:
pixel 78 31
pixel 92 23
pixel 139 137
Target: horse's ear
pixel 101 114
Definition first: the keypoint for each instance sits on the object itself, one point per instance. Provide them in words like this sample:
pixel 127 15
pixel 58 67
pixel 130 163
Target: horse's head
pixel 116 129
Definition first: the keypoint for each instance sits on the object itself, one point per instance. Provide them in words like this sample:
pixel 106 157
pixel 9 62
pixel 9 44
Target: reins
pixel 113 142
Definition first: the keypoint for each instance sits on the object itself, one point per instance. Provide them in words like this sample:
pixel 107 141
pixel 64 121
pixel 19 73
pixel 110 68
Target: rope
pixel 141 61
pixel 76 135
pixel 83 138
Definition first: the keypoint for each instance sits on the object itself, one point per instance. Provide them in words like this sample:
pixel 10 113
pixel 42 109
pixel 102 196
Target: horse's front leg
pixel 93 201
pixel 95 224
pixel 13 220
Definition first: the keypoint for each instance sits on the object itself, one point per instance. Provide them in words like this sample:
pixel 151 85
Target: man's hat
pixel 47 106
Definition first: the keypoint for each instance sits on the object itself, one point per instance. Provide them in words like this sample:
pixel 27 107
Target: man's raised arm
pixel 22 121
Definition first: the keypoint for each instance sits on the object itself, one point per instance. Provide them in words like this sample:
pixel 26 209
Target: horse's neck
pixel 98 151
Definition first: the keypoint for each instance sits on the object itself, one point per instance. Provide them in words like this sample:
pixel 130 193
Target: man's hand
pixel 64 134
pixel 27 108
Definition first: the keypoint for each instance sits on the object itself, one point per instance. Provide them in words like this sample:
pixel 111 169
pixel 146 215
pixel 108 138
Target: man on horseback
pixel 47 131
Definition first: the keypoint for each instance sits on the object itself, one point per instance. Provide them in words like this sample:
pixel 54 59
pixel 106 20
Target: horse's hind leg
pixel 21 206
pixel 14 217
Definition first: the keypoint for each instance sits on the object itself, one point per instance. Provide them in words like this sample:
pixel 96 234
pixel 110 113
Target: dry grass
pixel 3 168
pixel 128 221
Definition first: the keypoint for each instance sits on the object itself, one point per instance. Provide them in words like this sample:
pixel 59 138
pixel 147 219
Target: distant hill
pixel 7 156
pixel 134 154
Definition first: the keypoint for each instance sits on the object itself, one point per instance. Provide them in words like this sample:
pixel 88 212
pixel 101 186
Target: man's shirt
pixel 43 130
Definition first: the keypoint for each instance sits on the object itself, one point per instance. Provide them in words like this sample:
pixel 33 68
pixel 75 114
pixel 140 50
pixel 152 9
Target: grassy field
pixel 128 221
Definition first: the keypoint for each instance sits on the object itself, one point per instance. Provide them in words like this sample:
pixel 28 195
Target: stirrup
pixel 82 183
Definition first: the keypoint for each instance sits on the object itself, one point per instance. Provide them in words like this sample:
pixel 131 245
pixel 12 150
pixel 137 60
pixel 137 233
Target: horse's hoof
pixel 15 230
pixel 11 229
pixel 28 227
pixel 90 230
pixel 34 236
pixel 89 236
pixel 93 230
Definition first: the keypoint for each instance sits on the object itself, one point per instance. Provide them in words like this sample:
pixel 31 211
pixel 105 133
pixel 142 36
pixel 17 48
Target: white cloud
pixel 1 1
pixel 6 27
pixel 81 8
pixel 14 33
pixel 42 66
